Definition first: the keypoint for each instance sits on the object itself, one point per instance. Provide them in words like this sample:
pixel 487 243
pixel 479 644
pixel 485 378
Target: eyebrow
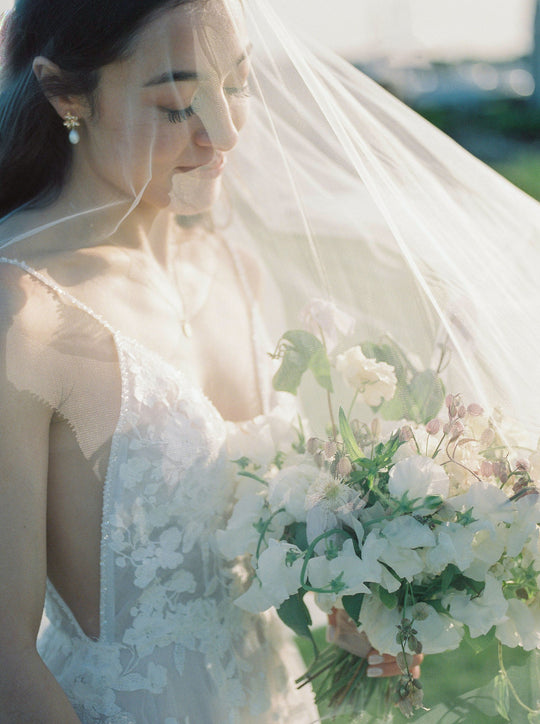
pixel 178 76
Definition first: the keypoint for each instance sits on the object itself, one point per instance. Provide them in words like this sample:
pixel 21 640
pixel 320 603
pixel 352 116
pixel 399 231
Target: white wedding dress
pixel 173 648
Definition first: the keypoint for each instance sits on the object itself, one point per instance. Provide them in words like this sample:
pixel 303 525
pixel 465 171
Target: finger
pixel 385 670
pixel 376 659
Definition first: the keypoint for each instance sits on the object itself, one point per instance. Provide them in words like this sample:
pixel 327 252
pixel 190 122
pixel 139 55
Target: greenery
pixel 514 125
pixel 473 665
pixel 523 170
pixel 445 676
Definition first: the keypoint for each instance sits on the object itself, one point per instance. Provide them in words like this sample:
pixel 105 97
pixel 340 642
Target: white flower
pixel 322 316
pixel 454 545
pixel 438 632
pixel 255 599
pixel 418 476
pixel 521 627
pixel 427 443
pixel 524 525
pixel 487 501
pixel 278 572
pixel 240 536
pixel 487 548
pixel 481 612
pixel 329 504
pixel 375 380
pixel 404 561
pixel 407 532
pixel 289 487
pixel 347 567
pixel 261 438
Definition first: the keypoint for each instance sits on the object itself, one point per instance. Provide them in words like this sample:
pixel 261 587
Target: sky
pixel 441 29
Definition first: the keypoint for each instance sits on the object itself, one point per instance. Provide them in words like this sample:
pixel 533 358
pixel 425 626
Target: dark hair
pixel 80 37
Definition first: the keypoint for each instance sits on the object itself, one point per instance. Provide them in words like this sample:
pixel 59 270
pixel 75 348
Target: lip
pixel 208 170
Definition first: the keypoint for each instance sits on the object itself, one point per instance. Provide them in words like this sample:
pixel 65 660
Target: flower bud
pixel 405 433
pixel 344 467
pixel 462 411
pixel 452 402
pixel 475 409
pixel 500 470
pixel 312 445
pixel 522 465
pixel 375 427
pixel 433 426
pixel 330 449
pixel 486 469
pixel 456 430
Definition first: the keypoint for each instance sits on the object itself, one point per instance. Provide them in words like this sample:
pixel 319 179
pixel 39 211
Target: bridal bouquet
pixel 421 521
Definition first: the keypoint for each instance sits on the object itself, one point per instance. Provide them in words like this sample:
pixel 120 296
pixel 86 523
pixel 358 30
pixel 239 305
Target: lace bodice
pixel 173 648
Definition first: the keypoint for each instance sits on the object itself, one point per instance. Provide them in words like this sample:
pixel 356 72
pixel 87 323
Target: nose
pixel 217 125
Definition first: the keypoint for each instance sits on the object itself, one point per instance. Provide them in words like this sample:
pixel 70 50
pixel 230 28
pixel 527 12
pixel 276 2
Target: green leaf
pixel 396 408
pixel 502 695
pixel 348 437
pixel 390 600
pixel 288 376
pixel 479 644
pixel 298 536
pixel 299 347
pixel 319 364
pixel 447 576
pixel 432 501
pixel 353 604
pixel 294 613
pixel 427 394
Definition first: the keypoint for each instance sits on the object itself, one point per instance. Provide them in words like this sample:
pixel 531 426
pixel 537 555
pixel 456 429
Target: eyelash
pixel 182 114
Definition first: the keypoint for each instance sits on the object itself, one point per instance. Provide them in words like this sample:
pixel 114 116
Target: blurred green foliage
pixel 503 133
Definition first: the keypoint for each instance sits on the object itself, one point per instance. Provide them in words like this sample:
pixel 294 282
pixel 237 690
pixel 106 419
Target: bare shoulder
pixel 28 307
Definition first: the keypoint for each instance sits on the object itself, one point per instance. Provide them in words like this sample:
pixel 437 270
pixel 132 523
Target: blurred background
pixel 472 67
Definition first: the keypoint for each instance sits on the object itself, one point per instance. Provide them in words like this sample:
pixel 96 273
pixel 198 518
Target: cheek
pixel 168 140
pixel 239 115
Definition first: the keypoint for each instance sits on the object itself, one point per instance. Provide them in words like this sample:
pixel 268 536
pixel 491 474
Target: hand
pixel 343 632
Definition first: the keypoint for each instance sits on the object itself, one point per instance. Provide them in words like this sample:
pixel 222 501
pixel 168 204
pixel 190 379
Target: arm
pixel 28 691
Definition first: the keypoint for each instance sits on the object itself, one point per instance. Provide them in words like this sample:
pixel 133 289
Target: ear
pixel 46 73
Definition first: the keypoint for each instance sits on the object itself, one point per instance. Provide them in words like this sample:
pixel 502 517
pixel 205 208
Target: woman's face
pixel 173 108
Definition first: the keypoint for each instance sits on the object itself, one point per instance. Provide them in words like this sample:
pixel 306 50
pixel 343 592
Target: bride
pixel 139 245
pixel 116 379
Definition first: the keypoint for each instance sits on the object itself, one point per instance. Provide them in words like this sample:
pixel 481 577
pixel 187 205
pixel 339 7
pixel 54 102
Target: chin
pixel 192 194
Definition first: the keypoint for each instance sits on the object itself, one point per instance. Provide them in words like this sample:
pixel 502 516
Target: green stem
pixel 264 531
pixel 332 419
pixel 510 684
pixel 353 403
pixel 309 553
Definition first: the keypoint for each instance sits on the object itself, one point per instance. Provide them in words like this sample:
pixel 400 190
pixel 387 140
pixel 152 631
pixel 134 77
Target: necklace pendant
pixel 187 330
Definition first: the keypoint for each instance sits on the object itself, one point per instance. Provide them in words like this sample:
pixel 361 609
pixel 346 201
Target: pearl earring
pixel 71 122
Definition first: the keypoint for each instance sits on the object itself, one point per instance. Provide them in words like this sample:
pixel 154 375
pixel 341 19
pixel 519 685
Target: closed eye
pixel 178 115
pixel 238 92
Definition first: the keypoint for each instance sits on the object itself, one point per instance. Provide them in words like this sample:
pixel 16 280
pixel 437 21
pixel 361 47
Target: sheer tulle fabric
pixel 334 190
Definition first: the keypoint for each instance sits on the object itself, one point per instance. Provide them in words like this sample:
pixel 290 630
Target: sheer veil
pixel 334 190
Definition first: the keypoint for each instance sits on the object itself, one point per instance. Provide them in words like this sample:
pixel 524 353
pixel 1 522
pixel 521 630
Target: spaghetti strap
pixel 59 290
